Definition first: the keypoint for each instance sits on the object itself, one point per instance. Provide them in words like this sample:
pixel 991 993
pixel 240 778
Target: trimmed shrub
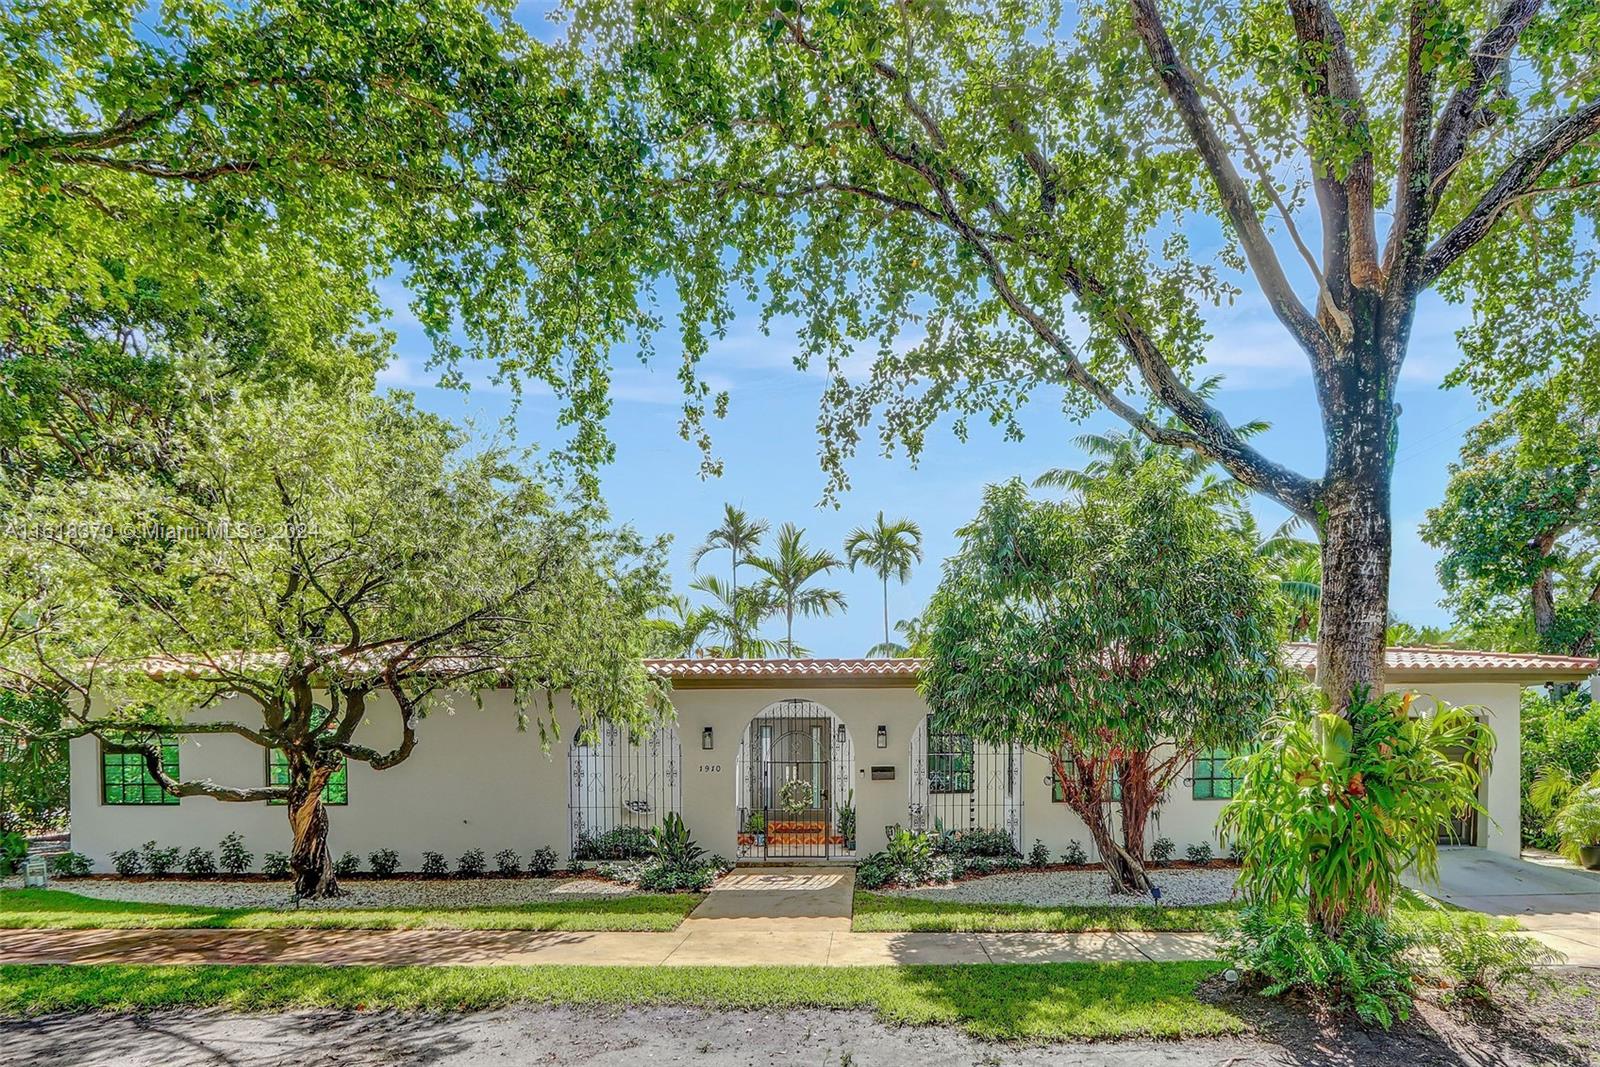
pixel 1074 855
pixel 275 865
pixel 507 862
pixel 1039 855
pixel 621 843
pixel 978 842
pixel 472 864
pixel 70 865
pixel 542 864
pixel 1198 853
pixel 199 863
pixel 346 865
pixel 232 856
pixel 1162 851
pixel 384 862
pixel 159 861
pixel 127 862
pixel 433 865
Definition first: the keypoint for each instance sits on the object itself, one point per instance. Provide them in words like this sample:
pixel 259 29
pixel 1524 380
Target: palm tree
pixel 1296 564
pixel 734 618
pixel 1120 452
pixel 889 549
pixel 787 573
pixel 740 535
pixel 678 636
pixel 913 637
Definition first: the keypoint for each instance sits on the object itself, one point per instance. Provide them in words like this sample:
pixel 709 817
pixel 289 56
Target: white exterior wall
pixel 475 781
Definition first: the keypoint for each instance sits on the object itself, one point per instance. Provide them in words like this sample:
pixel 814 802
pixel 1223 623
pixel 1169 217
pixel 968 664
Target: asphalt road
pixel 561 1036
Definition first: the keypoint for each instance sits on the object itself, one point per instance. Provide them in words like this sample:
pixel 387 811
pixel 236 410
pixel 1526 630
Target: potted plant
pixel 1578 825
pixel 755 824
pixel 847 821
pixel 1576 808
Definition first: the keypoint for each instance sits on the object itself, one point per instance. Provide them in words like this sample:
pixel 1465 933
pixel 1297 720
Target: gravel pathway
pixel 397 893
pixel 1052 888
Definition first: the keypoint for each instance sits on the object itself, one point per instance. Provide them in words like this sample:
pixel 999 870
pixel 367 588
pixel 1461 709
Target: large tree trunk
pixel 1356 549
pixel 309 859
pixel 1138 798
pixel 1081 784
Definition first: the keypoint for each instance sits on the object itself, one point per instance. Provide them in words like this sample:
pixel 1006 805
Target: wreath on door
pixel 796 796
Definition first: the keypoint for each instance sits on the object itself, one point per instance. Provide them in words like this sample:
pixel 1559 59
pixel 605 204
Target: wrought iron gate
pixel 619 788
pixel 958 783
pixel 796 796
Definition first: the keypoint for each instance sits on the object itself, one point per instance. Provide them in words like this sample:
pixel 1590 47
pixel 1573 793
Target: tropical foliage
pixel 1331 810
pixel 1119 634
pixel 1520 531
pixel 1560 747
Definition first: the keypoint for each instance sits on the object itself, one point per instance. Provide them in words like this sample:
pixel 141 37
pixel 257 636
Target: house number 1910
pixel 710 768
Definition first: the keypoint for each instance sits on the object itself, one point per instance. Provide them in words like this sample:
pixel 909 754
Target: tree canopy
pixel 1117 634
pixel 1520 530
pixel 330 558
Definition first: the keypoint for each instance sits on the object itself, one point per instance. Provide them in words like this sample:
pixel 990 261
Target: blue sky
pixel 769 447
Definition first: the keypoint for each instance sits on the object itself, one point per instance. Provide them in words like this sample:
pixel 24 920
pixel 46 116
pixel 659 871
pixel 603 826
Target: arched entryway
pixel 620 786
pixel 795 784
pixel 959 783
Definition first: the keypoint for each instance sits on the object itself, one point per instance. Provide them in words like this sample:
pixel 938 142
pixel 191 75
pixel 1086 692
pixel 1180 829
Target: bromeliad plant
pixel 1330 810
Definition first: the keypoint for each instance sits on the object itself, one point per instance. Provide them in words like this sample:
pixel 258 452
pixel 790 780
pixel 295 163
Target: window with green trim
pixel 125 777
pixel 337 791
pixel 1212 780
pixel 951 757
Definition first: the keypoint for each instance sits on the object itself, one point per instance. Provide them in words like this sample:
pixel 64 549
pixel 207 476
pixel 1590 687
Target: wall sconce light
pixel 842 735
pixel 883 736
pixel 705 739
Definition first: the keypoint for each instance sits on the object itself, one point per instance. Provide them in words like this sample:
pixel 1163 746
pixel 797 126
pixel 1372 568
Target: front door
pixel 1462 828
pixel 792 781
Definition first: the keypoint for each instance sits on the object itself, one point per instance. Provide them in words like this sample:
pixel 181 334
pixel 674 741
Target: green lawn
pixel 878 912
pixel 1036 1002
pixel 53 909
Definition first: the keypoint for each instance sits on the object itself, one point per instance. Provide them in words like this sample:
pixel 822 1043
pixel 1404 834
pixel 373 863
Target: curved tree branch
pixel 1516 180
pixel 1181 87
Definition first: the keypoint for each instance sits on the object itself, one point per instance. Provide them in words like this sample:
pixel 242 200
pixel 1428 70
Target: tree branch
pixel 1514 181
pixel 1408 238
pixel 1463 115
pixel 1181 88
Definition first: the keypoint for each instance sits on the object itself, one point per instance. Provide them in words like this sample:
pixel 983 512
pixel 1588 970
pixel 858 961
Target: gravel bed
pixel 363 893
pixel 1065 888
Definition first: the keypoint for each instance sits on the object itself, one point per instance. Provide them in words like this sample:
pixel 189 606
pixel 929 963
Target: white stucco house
pixel 790 760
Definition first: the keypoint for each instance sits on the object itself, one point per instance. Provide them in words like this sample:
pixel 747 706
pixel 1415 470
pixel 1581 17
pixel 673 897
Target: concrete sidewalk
pixel 491 948
pixel 751 917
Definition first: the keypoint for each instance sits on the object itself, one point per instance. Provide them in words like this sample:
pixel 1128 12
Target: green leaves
pixel 1331 810
pixel 1130 618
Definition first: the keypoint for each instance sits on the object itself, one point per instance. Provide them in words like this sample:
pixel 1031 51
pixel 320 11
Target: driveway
pixel 1560 904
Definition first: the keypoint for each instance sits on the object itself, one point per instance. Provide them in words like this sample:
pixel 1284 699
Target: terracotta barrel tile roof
pixel 1402 660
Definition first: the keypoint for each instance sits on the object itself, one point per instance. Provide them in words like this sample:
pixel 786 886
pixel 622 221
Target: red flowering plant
pixel 1330 810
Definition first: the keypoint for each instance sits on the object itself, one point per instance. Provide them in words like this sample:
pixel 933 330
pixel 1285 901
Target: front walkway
pixel 752 917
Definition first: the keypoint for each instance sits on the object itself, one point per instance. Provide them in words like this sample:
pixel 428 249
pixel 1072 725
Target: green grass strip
pixel 1032 1002
pixel 883 913
pixel 49 909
